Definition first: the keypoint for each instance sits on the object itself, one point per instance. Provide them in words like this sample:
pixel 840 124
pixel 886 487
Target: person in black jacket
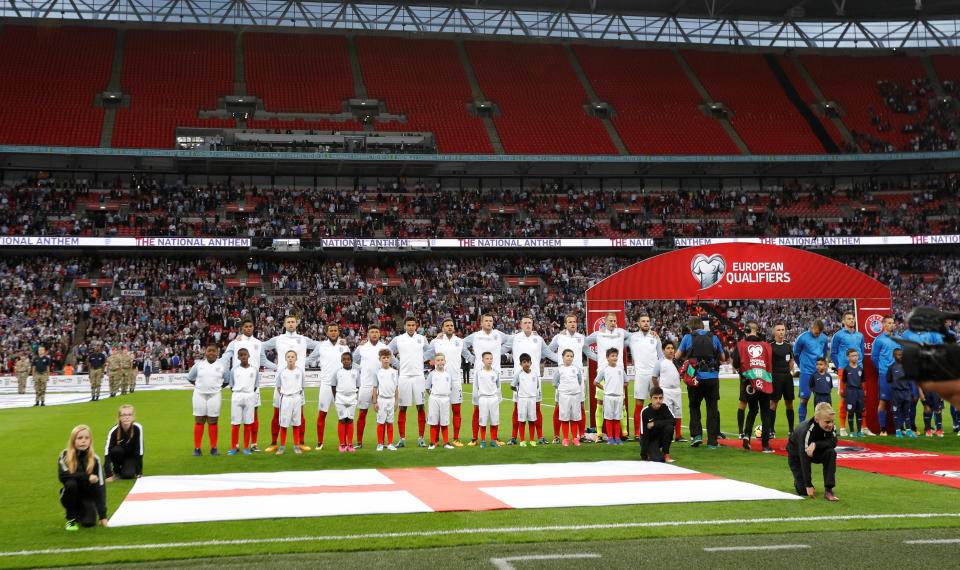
pixel 814 441
pixel 83 495
pixel 123 454
pixel 657 423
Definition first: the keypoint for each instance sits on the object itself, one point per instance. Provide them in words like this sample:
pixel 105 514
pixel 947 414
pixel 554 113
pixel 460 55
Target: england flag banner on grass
pixel 239 496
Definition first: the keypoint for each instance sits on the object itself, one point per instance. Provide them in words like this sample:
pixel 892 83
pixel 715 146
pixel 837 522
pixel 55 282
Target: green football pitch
pixel 893 510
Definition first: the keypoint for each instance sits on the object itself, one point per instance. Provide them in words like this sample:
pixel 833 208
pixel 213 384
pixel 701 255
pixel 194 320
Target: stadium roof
pixel 814 24
pixel 747 9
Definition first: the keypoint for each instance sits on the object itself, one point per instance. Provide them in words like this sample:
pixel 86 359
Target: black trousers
pixel 800 467
pixel 708 391
pixel 655 443
pixel 81 506
pixel 123 462
pixel 762 401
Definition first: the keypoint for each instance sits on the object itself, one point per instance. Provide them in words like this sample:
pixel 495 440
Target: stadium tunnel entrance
pixel 745 271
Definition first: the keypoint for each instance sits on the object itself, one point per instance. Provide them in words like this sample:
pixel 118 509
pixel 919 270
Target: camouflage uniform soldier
pixel 113 372
pixel 40 368
pixel 22 370
pixel 96 361
pixel 127 372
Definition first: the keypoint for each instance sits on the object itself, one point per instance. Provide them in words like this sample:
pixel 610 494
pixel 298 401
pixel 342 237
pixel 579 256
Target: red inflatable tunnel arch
pixel 745 271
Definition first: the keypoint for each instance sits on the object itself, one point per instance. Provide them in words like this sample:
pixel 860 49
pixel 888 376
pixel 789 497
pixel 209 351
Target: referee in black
pixel 782 377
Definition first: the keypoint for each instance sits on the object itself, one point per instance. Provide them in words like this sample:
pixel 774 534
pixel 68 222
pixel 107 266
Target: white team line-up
pixel 505 563
pixel 501 530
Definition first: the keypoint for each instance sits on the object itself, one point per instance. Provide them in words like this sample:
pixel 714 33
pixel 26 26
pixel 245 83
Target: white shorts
pixel 207 405
pixel 489 410
pixel 242 407
pixel 326 397
pixel 612 407
pixel 410 390
pixel 642 386
pixel 291 409
pixel 527 410
pixel 569 406
pixel 259 400
pixel 438 410
pixel 456 385
pixel 387 410
pixel 673 400
pixel 276 397
pixel 365 398
pixel 385 413
pixel 346 405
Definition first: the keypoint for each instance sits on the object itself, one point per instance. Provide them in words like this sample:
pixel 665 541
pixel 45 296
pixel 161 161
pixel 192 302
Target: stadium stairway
pixel 359 87
pixel 116 72
pixel 477 95
pixel 934 77
pixel 815 90
pixel 707 100
pixel 239 71
pixel 802 107
pixel 592 96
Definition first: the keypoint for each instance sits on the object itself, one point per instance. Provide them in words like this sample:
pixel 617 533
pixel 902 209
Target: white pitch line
pixel 933 541
pixel 500 530
pixel 505 563
pixel 767 547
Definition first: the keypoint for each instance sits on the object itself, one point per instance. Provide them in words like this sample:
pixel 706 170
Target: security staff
pixel 96 361
pixel 814 441
pixel 40 369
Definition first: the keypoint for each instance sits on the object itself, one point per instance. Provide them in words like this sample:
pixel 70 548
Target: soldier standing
pixel 22 370
pixel 95 361
pixel 127 371
pixel 40 368
pixel 113 372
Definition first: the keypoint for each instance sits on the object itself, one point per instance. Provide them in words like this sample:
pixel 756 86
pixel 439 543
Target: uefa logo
pixel 755 350
pixel 942 473
pixel 874 325
pixel 600 324
pixel 708 270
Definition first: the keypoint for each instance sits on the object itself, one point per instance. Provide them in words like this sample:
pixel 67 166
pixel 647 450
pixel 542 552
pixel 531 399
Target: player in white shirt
pixel 290 384
pixel 487 387
pixel 667 378
pixel 346 384
pixel 608 337
pixel 385 399
pixel 526 384
pixel 530 343
pixel 487 339
pixel 567 381
pixel 244 381
pixel 289 340
pixel 454 348
pixel 208 377
pixel 412 350
pixel 645 351
pixel 575 341
pixel 440 386
pixel 367 357
pixel 328 354
pixel 611 379
pixel 258 358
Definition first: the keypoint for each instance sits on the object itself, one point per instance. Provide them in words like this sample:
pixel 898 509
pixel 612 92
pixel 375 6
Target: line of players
pixel 384 376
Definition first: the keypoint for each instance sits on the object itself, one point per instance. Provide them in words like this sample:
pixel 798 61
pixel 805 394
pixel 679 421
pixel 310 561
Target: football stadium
pixel 478 284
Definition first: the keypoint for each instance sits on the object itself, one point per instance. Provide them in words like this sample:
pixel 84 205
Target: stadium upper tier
pixel 149 208
pixel 140 88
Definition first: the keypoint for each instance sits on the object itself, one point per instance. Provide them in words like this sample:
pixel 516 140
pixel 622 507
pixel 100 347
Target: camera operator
pixel 708 352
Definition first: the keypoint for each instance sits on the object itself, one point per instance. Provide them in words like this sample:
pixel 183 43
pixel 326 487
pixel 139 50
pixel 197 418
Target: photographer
pixel 707 350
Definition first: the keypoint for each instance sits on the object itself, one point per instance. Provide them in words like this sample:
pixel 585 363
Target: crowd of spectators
pixel 171 330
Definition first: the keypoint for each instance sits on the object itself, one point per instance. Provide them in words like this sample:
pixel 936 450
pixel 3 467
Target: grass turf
pixel 39 433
